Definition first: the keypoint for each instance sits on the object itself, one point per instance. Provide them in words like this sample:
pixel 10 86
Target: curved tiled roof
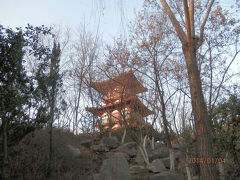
pixel 133 101
pixel 127 81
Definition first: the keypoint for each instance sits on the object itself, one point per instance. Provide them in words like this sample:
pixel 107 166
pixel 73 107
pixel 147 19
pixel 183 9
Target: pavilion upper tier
pixel 125 83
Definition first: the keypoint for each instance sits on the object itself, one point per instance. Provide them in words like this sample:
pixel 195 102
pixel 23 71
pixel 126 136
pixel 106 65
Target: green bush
pixel 226 124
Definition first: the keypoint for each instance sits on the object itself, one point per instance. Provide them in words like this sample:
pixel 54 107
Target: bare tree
pixel 190 44
pixel 149 38
pixel 83 54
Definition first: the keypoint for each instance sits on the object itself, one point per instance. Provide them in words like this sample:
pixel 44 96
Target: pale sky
pixel 110 16
pixel 71 13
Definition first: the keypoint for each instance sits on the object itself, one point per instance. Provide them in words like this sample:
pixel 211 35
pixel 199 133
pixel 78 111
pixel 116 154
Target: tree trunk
pixel 160 91
pixel 172 159
pixel 52 107
pixel 76 111
pixel 167 135
pixel 188 172
pixel 143 151
pixel 5 150
pixel 221 171
pixel 153 143
pixel 4 153
pixel 49 173
pixel 124 136
pixel 189 46
pixel 202 124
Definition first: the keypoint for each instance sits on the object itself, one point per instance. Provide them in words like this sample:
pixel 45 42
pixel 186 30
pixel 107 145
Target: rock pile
pixel 125 162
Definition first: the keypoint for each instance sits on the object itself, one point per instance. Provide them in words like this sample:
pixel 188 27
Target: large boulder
pixel 176 146
pixel 75 151
pixel 100 148
pixel 167 175
pixel 166 162
pixel 32 152
pixel 158 153
pixel 137 169
pixel 87 143
pixel 129 148
pixel 196 178
pixel 157 166
pixel 116 167
pixel 94 177
pixel 109 154
pixel 110 142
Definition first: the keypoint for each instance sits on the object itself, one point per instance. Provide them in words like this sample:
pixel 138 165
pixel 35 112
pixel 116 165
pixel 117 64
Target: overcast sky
pixel 111 16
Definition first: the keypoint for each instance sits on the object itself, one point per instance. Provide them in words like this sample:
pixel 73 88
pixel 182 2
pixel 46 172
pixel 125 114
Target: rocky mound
pixel 90 157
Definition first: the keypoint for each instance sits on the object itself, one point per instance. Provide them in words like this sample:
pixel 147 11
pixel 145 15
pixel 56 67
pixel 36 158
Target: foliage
pixel 189 145
pixel 20 92
pixel 226 122
pixel 18 89
pixel 48 79
pixel 15 86
pixel 14 83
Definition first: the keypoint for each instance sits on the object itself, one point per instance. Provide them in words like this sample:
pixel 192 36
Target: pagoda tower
pixel 121 104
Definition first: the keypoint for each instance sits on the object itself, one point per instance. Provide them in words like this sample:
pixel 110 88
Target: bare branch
pixel 191 15
pixel 225 72
pixel 175 23
pixel 187 20
pixel 204 22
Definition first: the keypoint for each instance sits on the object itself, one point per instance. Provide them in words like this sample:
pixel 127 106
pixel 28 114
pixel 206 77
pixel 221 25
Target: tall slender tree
pixel 49 81
pixel 14 87
pixel 54 84
pixel 190 44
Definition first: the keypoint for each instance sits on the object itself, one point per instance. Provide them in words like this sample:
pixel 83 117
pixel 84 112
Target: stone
pixel 99 148
pixel 109 154
pixel 110 142
pixel 94 177
pixel 140 177
pixel 178 154
pixel 74 151
pixel 161 152
pixel 139 158
pixel 176 146
pixel 129 148
pixel 115 168
pixel 157 166
pixel 86 143
pixel 137 169
pixel 126 156
pixel 167 175
pixel 195 178
pixel 166 162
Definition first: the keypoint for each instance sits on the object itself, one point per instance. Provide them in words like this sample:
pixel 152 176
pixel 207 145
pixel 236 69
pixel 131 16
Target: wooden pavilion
pixel 121 104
